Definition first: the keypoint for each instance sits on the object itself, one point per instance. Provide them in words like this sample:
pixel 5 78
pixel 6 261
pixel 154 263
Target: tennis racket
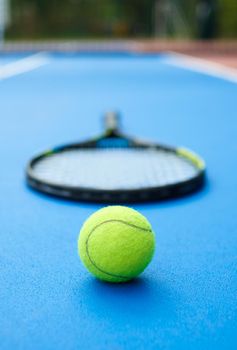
pixel 115 168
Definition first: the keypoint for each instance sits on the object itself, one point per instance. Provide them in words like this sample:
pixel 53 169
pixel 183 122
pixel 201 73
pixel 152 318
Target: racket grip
pixel 111 120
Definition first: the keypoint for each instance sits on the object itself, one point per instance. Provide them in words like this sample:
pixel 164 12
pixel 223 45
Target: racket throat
pixel 111 124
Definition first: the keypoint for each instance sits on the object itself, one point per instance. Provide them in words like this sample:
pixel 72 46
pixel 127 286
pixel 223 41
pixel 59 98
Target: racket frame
pixel 119 196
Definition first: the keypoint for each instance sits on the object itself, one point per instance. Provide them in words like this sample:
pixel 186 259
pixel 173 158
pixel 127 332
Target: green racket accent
pixel 195 159
pixel 49 153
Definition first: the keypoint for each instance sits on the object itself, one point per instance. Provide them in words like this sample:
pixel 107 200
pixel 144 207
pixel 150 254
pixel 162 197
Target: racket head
pixel 114 168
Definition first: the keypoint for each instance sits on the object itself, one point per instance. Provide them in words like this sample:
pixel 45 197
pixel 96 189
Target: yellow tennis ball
pixel 116 243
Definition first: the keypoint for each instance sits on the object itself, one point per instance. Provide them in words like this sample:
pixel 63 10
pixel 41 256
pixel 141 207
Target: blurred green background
pixel 64 19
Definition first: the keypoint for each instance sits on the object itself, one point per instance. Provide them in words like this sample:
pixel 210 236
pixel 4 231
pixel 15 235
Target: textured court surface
pixel 187 297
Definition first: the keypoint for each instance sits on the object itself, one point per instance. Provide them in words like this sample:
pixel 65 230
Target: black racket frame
pixel 113 196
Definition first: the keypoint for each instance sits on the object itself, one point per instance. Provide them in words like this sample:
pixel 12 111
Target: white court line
pixel 23 65
pixel 203 66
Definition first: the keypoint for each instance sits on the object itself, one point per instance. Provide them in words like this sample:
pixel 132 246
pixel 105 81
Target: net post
pixel 4 18
pixel 1 37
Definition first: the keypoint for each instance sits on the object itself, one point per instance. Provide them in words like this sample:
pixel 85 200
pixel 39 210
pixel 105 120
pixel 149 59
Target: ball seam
pixel 94 229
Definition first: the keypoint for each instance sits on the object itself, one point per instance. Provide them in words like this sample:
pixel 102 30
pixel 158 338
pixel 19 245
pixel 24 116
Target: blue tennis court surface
pixel 186 299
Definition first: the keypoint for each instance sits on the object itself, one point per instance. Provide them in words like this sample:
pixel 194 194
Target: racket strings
pixel 114 168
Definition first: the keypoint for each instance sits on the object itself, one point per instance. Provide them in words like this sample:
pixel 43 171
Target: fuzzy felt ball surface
pixel 116 243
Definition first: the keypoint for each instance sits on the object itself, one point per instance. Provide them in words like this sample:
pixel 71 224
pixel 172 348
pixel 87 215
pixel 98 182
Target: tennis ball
pixel 116 243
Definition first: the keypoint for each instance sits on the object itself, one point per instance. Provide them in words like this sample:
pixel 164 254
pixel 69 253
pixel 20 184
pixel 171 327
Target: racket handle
pixel 111 121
